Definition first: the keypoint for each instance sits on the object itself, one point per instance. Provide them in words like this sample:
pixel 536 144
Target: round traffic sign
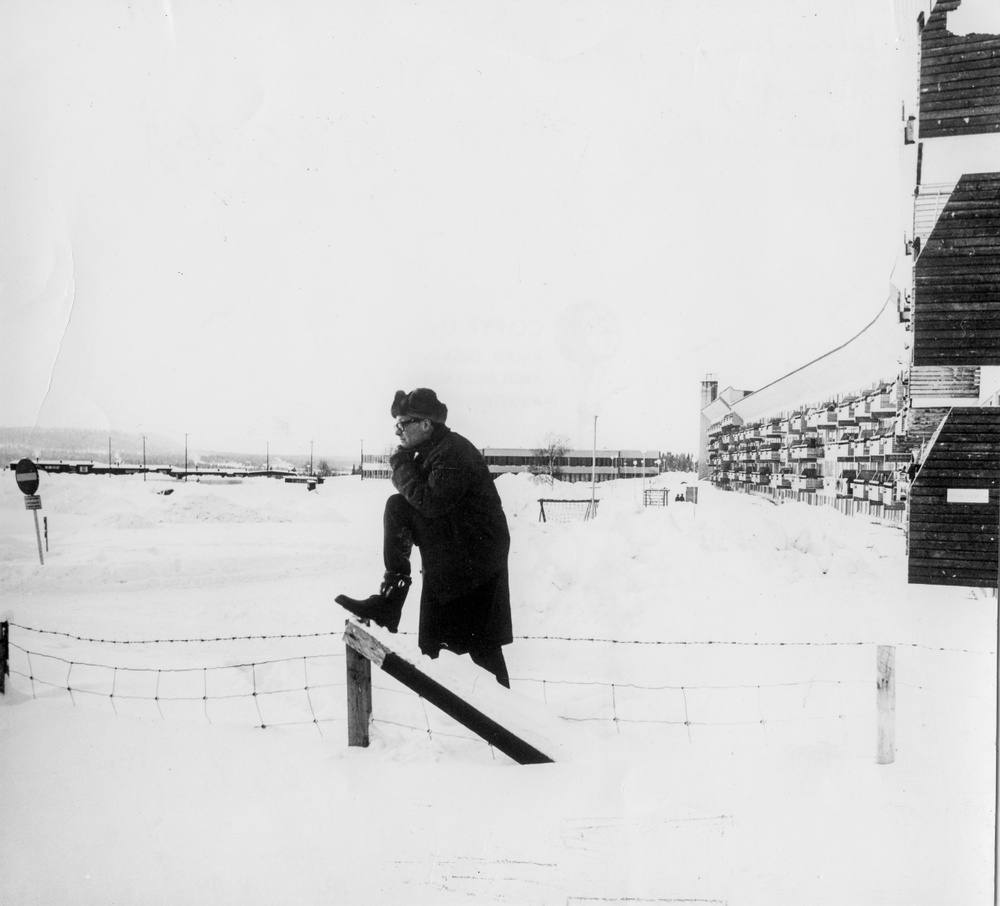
pixel 26 473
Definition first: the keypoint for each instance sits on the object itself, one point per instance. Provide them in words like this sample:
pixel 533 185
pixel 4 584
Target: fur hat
pixel 419 403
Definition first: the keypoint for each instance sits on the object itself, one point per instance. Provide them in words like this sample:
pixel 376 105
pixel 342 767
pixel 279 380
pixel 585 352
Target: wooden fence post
pixel 886 701
pixel 359 698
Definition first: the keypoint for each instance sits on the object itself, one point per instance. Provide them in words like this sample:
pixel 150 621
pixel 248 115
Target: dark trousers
pixel 399 528
pixel 403 527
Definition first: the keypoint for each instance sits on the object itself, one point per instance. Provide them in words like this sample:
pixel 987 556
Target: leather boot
pixel 386 607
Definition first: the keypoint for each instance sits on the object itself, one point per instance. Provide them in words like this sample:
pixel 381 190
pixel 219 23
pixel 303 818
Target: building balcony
pixel 822 419
pixel 883 405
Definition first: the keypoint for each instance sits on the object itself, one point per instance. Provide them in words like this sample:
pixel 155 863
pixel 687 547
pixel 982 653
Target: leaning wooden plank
pixel 457 708
pixel 521 728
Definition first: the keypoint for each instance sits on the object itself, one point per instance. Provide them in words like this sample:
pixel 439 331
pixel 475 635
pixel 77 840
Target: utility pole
pixel 593 470
pixel 143 457
pixel 311 472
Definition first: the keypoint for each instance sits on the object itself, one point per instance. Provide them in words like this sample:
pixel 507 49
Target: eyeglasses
pixel 403 422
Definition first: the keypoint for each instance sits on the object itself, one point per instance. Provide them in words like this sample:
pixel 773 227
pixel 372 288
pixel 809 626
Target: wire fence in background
pixel 283 692
pixel 310 691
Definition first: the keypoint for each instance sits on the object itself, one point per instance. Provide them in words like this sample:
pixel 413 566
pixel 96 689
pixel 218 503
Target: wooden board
pixel 408 671
pixel 952 543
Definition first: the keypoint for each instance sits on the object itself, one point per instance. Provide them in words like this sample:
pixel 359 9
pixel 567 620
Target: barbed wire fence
pixel 310 690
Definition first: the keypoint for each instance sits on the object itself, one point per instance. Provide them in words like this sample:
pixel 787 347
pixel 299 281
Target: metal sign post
pixel 26 474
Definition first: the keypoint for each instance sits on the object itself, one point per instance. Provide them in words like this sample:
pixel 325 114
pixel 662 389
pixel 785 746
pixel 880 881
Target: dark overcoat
pixel 461 530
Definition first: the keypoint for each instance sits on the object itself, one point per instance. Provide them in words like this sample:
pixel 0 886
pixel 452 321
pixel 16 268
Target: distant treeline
pixel 678 462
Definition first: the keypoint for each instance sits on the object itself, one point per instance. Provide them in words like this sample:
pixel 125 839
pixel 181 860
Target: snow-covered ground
pixel 713 666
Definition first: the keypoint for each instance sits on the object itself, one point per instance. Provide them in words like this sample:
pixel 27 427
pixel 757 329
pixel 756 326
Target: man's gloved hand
pixel 401 455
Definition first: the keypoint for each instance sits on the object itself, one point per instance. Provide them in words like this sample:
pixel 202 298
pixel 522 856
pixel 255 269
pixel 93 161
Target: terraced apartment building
pixel 922 432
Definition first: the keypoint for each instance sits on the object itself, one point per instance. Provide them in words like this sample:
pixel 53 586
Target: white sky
pixel 254 222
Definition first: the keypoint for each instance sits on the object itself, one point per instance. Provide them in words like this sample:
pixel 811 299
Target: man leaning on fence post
pixel 448 506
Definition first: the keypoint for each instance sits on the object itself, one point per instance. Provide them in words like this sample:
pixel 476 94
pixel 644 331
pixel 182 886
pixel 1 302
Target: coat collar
pixel 440 432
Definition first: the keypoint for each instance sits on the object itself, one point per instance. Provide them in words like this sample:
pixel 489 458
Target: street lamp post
pixel 185 457
pixel 593 471
pixel 143 457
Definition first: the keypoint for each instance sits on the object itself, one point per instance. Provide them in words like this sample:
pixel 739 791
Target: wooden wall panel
pixel 956 292
pixel 946 380
pixel 950 542
pixel 959 79
pixel 922 423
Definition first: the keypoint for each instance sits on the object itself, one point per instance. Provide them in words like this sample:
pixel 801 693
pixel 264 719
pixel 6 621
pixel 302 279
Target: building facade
pixel 933 351
pixel 573 466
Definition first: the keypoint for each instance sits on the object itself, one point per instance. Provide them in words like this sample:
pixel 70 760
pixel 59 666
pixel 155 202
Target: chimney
pixel 709 392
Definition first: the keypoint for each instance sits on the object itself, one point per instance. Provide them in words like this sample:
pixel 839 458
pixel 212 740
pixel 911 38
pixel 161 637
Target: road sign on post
pixel 26 473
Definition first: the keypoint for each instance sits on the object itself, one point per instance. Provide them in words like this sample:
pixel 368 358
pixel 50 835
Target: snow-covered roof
pixel 873 355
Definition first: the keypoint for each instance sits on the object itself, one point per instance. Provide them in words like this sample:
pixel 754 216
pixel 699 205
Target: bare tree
pixel 550 458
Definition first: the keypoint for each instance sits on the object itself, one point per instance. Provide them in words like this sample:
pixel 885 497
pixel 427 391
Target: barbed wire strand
pixel 231 638
pixel 735 643
pixel 525 638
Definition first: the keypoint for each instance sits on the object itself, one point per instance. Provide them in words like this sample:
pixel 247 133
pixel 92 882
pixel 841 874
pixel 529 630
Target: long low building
pixel 89 467
pixel 573 465
pixel 577 465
